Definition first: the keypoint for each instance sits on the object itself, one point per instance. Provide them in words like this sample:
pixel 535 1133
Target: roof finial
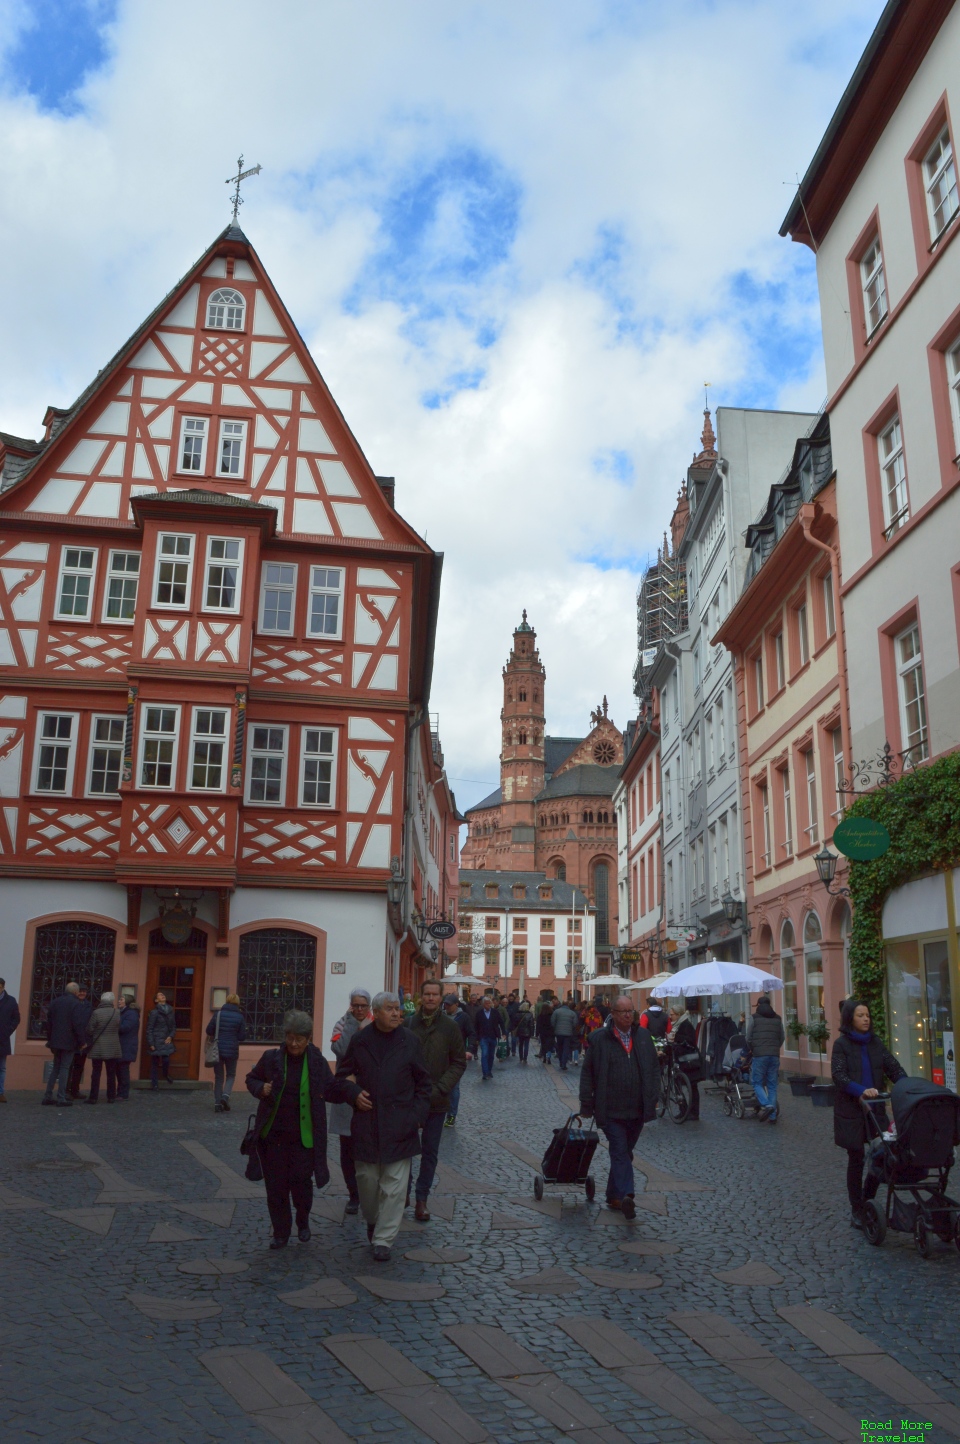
pixel 235 180
pixel 524 625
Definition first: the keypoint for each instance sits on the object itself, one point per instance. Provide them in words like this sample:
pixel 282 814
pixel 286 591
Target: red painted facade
pixel 215 629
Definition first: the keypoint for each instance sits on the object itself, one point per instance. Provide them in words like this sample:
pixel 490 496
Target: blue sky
pixel 519 239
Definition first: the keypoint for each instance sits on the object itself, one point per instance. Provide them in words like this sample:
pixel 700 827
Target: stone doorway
pixel 179 970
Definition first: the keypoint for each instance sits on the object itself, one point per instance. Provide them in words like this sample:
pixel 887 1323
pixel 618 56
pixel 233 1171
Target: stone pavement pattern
pixel 140 1301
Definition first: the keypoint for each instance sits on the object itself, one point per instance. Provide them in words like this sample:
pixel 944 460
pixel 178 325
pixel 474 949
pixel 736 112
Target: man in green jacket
pixel 445 1059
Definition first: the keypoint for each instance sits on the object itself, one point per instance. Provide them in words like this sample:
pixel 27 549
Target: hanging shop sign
pixel 861 839
pixel 442 930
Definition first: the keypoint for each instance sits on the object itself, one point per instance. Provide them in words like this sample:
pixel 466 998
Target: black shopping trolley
pixel 568 1157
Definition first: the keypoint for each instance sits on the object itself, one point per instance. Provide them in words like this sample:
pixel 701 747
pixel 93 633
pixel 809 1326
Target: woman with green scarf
pixel 293 1083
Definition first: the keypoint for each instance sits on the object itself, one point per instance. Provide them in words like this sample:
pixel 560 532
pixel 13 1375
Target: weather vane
pixel 235 180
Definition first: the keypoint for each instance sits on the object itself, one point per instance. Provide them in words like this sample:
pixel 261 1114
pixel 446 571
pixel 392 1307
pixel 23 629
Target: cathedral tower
pixel 522 749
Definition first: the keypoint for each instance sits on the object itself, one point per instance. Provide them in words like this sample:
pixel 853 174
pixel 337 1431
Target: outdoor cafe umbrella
pixel 604 979
pixel 464 979
pixel 651 982
pixel 709 979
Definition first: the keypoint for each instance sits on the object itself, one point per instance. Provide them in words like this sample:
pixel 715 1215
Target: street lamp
pixel 826 862
pixel 731 907
pixel 395 883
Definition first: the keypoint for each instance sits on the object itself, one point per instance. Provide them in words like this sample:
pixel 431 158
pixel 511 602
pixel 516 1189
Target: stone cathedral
pixel 553 811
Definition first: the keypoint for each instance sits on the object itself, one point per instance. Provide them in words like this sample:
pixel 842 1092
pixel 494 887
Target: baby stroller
pixel 734 1079
pixel 914 1165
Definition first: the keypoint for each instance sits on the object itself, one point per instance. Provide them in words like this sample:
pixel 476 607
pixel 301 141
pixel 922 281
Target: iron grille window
pixel 277 971
pixel 68 952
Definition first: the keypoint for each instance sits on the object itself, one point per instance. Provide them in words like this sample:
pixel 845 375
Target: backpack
pixel 525 1025
pixel 656 1024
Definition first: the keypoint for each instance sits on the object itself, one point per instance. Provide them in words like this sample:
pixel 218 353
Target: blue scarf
pixel 866 1072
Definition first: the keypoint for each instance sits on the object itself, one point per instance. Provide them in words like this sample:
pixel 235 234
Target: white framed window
pixel 912 693
pixel 193 444
pixel 221 592
pixel 668 793
pixel 779 658
pixel 267 764
pixel 123 580
pixel 714 869
pixel 812 828
pixel 711 744
pixel 874 286
pixel 803 635
pixel 174 570
pixel 767 835
pixel 78 567
pixel 318 766
pixel 697 666
pixel 839 776
pixel 225 310
pixel 232 455
pixel 940 183
pixel 893 477
pixel 158 746
pixel 787 798
pixel 278 592
pixel 208 749
pixel 105 756
pixel 326 601
pixel 55 752
pixel 758 680
pixel 721 732
pixel 953 378
pixel 829 606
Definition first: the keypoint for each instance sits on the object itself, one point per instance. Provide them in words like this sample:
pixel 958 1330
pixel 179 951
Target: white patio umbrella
pixel 709 979
pixel 464 978
pixel 653 982
pixel 604 979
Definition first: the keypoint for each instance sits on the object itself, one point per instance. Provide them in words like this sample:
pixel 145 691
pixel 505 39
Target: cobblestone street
pixel 115 1327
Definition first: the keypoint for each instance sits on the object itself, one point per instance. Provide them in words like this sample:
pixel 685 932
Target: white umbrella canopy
pixel 602 979
pixel 463 978
pixel 708 979
pixel 653 982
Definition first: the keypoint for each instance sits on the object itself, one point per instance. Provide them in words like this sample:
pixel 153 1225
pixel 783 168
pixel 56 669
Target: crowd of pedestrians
pixel 396 1081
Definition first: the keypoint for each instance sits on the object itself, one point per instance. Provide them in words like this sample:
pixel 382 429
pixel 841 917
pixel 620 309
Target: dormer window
pixel 225 310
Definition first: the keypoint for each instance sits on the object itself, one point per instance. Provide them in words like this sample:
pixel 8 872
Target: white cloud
pixel 601 238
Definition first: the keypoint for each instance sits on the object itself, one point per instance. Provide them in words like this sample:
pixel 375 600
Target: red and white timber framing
pixel 215 635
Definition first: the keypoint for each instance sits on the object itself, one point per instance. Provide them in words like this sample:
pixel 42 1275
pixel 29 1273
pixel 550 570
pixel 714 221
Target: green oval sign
pixel 861 839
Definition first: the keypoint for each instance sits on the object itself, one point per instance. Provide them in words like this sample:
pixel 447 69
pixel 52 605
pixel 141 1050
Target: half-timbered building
pixel 216 634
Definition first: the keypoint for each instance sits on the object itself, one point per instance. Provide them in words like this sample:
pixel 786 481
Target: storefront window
pixel 943 1066
pixel 789 973
pixel 906 1004
pixel 813 968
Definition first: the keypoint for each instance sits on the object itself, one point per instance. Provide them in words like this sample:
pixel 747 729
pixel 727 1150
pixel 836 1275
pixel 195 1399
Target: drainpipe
pixel 807 515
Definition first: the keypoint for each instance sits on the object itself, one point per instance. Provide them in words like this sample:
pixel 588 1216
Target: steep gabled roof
pixel 584 780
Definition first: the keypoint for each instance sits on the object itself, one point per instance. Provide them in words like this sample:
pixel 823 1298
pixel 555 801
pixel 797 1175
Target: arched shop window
pixel 788 967
pixel 813 967
pixel 68 952
pixel 277 971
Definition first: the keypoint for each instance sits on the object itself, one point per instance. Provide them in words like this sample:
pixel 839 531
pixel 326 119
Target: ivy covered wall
pixel 921 812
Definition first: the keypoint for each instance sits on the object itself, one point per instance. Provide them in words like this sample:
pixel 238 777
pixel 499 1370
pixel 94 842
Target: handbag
pixel 211 1053
pixel 503 1050
pixel 691 1064
pixel 248 1147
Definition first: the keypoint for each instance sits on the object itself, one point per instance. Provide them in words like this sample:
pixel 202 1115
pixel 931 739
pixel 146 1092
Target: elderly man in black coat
pixel 619 1086
pixel 66 1035
pixel 9 1023
pixel 386 1060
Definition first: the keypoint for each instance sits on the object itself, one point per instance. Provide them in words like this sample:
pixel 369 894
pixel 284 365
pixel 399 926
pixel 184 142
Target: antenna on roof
pixel 235 180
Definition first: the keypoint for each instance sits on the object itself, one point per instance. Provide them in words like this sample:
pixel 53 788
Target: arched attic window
pixel 522 695
pixel 225 310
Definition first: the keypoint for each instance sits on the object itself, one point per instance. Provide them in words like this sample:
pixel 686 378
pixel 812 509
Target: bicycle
pixel 676 1095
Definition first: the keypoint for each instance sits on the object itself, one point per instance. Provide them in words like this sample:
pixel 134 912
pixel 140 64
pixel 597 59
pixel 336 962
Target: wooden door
pixel 179 972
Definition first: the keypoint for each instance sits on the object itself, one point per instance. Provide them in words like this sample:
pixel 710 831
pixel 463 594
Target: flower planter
pixel 823 1095
pixel 801 1084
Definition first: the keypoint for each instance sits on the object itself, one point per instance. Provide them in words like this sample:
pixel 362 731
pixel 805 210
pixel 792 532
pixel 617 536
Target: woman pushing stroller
pixel 858 1064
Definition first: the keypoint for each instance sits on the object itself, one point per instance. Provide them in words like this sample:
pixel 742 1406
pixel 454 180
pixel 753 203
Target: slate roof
pixel 214 498
pixel 494 800
pixel 556 750
pixel 586 780
pixel 564 894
